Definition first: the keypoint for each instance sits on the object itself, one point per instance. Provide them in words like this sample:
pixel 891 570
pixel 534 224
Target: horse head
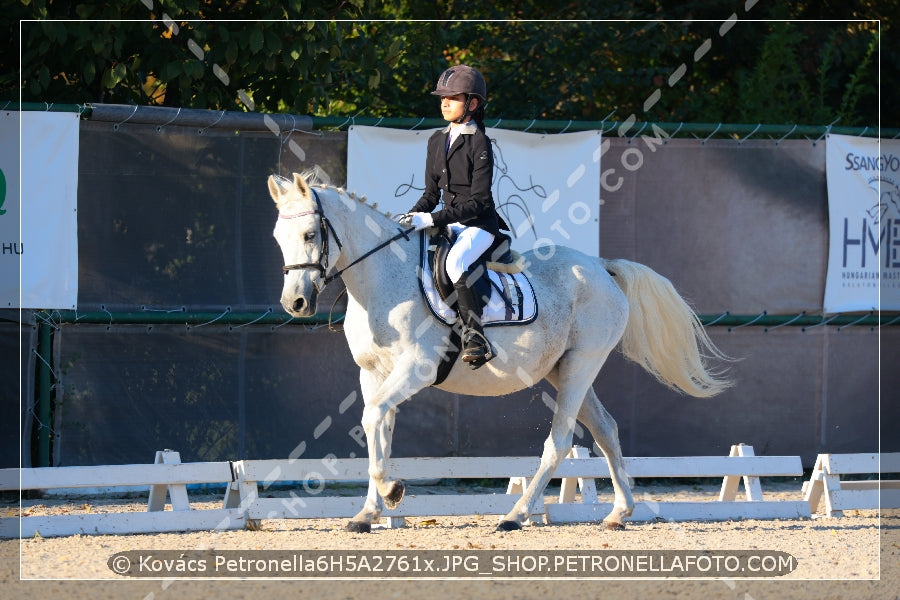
pixel 302 232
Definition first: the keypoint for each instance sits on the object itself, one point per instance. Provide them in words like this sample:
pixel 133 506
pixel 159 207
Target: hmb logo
pixel 880 229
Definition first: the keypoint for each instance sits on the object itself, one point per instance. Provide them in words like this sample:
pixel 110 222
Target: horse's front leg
pixel 378 419
pixel 380 491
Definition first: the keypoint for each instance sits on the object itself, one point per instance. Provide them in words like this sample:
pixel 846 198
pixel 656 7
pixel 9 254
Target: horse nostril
pixel 299 303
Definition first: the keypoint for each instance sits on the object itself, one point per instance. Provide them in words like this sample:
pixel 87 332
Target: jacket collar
pixel 464 129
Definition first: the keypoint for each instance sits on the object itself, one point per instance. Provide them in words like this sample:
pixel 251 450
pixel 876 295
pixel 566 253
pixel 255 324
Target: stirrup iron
pixel 487 352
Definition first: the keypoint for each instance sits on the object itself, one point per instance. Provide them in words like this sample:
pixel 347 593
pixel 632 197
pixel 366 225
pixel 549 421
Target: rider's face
pixel 454 107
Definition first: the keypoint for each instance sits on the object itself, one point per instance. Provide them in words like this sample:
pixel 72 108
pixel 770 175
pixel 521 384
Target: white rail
pixel 243 507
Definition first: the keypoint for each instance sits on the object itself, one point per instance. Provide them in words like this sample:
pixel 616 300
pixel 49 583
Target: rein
pixel 324 227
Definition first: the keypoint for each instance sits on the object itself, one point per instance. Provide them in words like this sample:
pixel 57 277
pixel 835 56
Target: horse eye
pixel 309 236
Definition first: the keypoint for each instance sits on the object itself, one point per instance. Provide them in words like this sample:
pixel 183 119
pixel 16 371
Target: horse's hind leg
pixel 575 376
pixel 603 427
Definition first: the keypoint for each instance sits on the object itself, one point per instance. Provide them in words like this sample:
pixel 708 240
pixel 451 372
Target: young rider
pixel 458 171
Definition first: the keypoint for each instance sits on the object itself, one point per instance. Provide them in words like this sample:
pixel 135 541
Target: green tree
pixel 361 57
pixel 177 56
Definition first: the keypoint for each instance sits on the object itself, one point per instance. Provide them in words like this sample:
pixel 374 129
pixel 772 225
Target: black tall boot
pixel 476 348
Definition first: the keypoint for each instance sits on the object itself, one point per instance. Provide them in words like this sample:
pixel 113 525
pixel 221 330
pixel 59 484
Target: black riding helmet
pixel 462 79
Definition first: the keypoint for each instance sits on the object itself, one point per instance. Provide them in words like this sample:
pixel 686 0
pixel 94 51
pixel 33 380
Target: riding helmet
pixel 461 79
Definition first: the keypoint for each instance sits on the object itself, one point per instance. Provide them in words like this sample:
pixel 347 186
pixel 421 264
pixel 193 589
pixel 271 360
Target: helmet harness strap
pixel 466 112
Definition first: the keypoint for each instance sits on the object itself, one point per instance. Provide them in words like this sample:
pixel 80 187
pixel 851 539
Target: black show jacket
pixel 463 175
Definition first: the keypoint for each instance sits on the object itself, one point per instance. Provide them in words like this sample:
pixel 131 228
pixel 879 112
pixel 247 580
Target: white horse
pixel 588 306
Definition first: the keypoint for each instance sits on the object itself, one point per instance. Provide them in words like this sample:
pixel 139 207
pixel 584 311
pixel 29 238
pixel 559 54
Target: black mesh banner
pixel 177 220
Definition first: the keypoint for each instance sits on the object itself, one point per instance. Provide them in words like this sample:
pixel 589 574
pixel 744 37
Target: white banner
pixel 863 176
pixel 38 220
pixel 546 187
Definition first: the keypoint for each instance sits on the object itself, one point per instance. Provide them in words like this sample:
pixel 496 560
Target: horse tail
pixel 664 335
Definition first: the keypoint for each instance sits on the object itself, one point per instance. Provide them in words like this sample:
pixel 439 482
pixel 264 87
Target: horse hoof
pixel 358 527
pixel 253 525
pixel 508 526
pixel 395 495
pixel 614 526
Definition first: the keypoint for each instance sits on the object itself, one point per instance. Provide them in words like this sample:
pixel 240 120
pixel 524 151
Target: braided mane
pixel 317 177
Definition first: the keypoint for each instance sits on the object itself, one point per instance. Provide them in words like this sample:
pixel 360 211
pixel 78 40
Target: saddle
pixel 512 300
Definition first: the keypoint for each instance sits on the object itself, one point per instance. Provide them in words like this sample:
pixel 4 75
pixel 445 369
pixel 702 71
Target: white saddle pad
pixel 517 304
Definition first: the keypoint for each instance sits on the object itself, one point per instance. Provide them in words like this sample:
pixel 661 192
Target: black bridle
pixel 324 228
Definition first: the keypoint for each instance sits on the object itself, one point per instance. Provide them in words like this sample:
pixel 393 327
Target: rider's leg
pixel 470 244
pixel 476 349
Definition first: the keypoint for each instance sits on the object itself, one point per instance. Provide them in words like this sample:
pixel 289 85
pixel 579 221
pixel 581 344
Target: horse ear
pixel 301 186
pixel 274 190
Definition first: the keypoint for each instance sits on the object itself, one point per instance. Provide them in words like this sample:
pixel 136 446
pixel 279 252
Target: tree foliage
pixel 657 60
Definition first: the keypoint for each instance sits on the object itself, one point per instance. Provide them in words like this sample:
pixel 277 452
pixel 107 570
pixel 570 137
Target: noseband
pixel 324 227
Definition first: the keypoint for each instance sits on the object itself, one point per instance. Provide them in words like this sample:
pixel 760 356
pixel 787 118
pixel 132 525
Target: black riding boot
pixel 476 348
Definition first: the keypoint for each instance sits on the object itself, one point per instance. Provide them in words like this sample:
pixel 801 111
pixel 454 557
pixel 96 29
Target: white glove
pixel 419 220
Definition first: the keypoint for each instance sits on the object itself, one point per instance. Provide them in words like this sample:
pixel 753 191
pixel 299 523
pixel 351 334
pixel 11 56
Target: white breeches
pixel 470 244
